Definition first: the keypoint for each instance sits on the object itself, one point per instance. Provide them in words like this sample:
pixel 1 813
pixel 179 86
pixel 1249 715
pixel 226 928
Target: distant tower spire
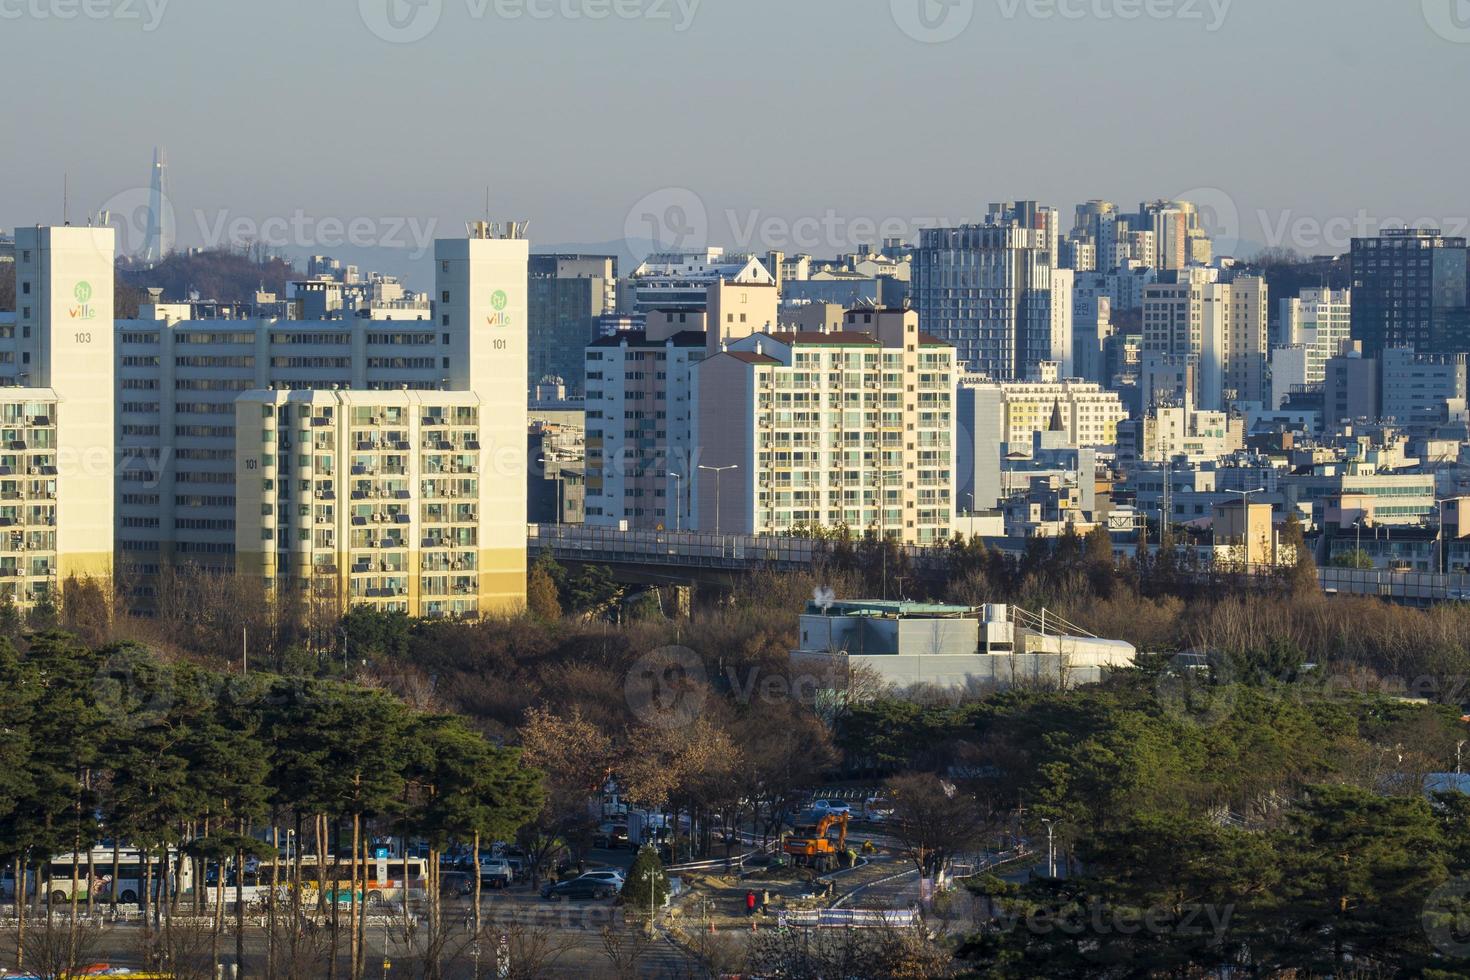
pixel 1056 417
pixel 158 240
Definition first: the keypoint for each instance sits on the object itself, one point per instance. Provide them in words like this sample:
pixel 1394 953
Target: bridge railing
pixel 743 551
pixel 671 547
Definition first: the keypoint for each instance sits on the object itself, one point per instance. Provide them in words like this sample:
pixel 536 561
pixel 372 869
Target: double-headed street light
pixel 717 471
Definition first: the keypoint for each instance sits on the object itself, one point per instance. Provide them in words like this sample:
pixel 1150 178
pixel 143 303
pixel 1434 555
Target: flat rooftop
pixel 892 608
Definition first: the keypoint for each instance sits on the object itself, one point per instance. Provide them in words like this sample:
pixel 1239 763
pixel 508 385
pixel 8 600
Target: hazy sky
pixel 807 124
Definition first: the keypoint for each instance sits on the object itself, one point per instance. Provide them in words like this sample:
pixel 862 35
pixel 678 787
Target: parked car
pixel 496 872
pixel 456 884
pixel 612 876
pixel 578 888
pixel 611 836
pixel 877 809
pixel 832 806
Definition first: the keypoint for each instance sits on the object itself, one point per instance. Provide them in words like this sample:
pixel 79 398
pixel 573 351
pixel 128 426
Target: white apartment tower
pixel 1320 320
pixel 822 429
pixel 56 415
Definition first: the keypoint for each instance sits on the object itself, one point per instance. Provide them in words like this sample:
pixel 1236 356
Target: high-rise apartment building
pixel 377 498
pixel 1222 327
pixel 995 418
pixel 643 455
pixel 851 428
pixel 1409 290
pixel 177 382
pixel 1319 319
pixel 56 413
pixel 987 290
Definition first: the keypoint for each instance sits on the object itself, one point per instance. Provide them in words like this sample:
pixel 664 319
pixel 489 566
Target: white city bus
pixel 69 875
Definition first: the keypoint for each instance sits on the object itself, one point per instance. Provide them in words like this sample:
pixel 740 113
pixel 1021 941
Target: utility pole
pixel 245 651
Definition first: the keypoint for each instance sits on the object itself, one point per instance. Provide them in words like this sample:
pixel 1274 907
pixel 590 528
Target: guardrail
pixel 849 919
pixel 733 861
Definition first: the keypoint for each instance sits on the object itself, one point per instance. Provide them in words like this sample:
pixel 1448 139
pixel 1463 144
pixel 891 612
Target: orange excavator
pixel 813 845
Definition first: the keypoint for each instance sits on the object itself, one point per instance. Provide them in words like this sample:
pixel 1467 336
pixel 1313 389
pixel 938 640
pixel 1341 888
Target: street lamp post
pixel 651 882
pixel 1459 747
pixel 1051 854
pixel 718 471
pixel 678 496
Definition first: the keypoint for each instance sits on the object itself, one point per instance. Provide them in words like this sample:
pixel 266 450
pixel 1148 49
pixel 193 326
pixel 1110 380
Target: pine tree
pixel 541 597
pixel 648 884
pixel 1301 573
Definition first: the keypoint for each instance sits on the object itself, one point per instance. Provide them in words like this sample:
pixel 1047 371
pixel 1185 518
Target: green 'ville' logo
pixel 82 310
pixel 499 301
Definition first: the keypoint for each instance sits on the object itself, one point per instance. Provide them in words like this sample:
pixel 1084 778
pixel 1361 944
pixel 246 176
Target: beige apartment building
pixel 56 413
pixel 845 428
pixel 368 498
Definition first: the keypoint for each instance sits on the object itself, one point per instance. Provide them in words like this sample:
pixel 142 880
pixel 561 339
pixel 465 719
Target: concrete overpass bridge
pixel 685 557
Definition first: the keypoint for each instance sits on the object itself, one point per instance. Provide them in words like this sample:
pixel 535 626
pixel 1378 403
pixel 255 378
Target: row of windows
pixel 238 361
pixel 379 363
pixel 404 339
pixel 202 500
pixel 311 362
pixel 311 338
pixel 214 338
pixel 212 384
